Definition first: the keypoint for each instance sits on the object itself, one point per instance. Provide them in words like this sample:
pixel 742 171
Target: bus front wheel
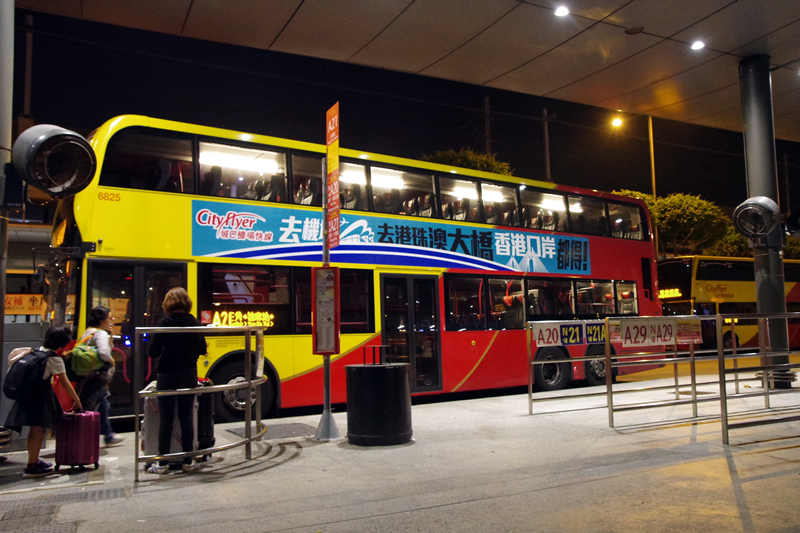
pixel 229 405
pixel 553 376
pixel 596 370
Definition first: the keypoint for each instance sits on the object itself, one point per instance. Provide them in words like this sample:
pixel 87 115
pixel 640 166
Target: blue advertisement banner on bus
pixel 273 232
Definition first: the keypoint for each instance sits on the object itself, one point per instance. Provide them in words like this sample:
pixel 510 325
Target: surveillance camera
pixel 54 160
pixel 756 217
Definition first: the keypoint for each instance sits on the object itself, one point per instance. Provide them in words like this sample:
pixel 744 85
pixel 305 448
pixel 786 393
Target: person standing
pixel 39 408
pixel 93 389
pixel 177 355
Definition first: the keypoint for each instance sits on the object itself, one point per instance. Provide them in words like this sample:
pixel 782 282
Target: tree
pixel 687 224
pixel 732 244
pixel 792 250
pixel 467 158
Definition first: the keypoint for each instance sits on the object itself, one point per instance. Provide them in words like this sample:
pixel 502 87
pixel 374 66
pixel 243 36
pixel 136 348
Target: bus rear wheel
pixel 596 370
pixel 553 376
pixel 229 405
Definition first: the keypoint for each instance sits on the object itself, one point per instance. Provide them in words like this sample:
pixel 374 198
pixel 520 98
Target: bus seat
pixel 550 220
pixel 460 209
pixel 473 214
pixel 350 197
pixel 424 206
pixel 491 211
pixel 165 180
pixel 273 189
pixel 447 211
pixel 410 207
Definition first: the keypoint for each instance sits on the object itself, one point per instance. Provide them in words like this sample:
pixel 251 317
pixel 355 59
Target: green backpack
pixel 85 359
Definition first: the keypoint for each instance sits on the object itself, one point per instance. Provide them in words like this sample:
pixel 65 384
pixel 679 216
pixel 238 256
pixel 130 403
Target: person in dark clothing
pixel 177 355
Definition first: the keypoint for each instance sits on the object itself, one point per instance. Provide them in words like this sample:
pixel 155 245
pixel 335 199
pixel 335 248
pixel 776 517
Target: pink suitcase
pixel 78 440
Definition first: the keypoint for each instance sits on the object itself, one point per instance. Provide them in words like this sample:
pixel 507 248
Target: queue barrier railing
pixel 139 394
pixel 674 356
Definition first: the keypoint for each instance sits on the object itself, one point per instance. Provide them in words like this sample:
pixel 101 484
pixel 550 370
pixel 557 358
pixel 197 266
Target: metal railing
pixel 689 356
pixel 261 429
pixel 766 370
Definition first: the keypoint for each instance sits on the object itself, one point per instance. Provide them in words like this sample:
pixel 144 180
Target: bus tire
pixel 551 376
pixel 229 405
pixel 596 370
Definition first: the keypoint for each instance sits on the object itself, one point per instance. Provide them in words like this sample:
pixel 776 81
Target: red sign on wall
pixel 332 141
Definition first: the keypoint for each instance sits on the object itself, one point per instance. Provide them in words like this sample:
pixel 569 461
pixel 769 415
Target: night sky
pixel 86 73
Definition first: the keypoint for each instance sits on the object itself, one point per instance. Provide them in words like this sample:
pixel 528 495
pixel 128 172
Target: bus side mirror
pixel 56 161
pixel 756 217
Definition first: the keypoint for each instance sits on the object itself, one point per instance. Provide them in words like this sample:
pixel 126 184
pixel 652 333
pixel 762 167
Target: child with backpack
pixel 94 391
pixel 36 405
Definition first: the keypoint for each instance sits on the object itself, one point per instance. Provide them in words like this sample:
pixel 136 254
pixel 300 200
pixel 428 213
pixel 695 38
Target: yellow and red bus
pixel 442 265
pixel 708 285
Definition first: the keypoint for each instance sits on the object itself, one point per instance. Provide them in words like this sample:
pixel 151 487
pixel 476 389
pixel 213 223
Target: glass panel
pixel 356 301
pixel 627 300
pixel 550 297
pixel 459 200
pixel 150 160
pixel 402 193
pixel 499 204
pixel 395 315
pixel 353 186
pixel 243 295
pixel 302 300
pixel 626 221
pixel 541 210
pixel 112 287
pixel 465 304
pixel 588 215
pixel 307 180
pixel 508 303
pixel 725 271
pixel 595 298
pixel 426 359
pixel 234 172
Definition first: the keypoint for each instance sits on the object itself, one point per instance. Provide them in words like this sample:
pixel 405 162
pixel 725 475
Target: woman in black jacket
pixel 177 369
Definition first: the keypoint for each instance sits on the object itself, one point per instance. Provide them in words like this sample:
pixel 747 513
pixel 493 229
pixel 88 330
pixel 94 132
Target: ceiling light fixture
pixel 561 11
pixel 697 45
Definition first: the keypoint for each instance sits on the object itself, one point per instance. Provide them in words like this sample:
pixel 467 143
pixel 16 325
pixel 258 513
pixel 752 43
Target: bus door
pixel 410 325
pixel 134 291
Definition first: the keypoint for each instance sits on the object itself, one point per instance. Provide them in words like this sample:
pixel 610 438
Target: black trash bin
pixel 378 404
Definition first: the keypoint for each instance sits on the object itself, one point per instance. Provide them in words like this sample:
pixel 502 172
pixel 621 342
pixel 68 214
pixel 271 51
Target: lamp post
pixel 617 122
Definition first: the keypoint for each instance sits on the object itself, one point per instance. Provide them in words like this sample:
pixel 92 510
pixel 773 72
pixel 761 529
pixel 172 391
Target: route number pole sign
pixel 325 311
pixel 332 188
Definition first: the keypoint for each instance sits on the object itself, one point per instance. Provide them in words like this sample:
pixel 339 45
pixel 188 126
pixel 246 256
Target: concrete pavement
pixel 475 465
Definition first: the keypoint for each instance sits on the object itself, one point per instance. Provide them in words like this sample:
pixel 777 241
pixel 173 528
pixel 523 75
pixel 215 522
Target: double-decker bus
pixel 708 285
pixel 440 265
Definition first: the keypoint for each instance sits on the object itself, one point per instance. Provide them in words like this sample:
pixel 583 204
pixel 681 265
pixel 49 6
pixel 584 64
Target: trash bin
pixel 378 404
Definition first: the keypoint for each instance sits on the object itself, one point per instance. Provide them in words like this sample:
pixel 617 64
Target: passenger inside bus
pixel 307 192
pixel 410 207
pixel 212 181
pixel 425 206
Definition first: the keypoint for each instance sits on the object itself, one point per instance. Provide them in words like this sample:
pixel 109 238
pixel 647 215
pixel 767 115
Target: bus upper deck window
pixel 307 180
pixel 151 160
pixel 499 204
pixel 246 173
pixel 541 210
pixel 627 301
pixel 459 200
pixel 587 215
pixel 353 186
pixel 626 221
pixel 400 192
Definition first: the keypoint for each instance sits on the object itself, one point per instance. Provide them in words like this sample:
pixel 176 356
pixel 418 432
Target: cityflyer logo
pixel 234 226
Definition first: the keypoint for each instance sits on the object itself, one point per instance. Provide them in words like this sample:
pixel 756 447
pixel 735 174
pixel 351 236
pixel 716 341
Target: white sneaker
pixel 156 468
pixel 194 467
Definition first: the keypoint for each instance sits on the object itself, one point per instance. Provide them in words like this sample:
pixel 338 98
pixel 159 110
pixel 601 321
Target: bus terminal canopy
pixel 637 56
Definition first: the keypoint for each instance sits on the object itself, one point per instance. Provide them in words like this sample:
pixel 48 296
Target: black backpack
pixel 25 375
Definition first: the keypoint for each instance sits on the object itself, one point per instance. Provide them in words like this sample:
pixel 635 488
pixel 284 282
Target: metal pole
pixel 762 347
pixel 325 250
pixel 693 372
pixel 248 412
pixel 762 180
pixel 653 174
pixel 609 377
pixel 137 346
pixel 259 353
pixel 723 389
pixel 735 353
pixel 675 373
pixel 546 145
pixel 6 121
pixel 530 366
